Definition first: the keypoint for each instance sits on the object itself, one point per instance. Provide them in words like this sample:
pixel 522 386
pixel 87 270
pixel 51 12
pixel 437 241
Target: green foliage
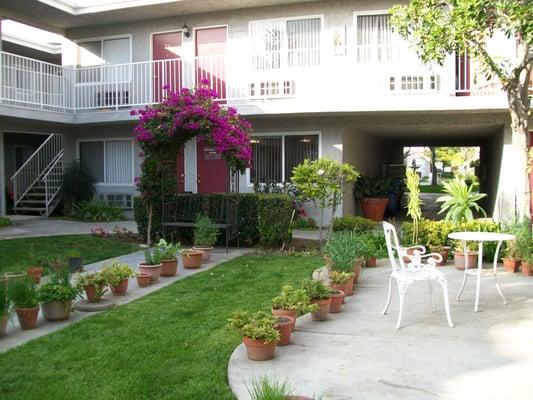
pixel 293 299
pixel 371 244
pixel 522 247
pixel 366 187
pixel 5 300
pixel 342 249
pixel 306 224
pixel 274 212
pixel 115 272
pixel 459 201
pixel 23 292
pixel 98 279
pixel 4 221
pixel 167 251
pixel 153 256
pixel 339 277
pixel 257 326
pixel 205 232
pixel 77 184
pixel 57 292
pixel 353 223
pixel 267 388
pixel 414 203
pixel 96 211
pixel 316 290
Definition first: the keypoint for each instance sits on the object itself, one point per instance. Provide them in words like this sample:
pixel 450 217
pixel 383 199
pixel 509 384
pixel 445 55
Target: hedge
pixel 353 223
pixel 262 217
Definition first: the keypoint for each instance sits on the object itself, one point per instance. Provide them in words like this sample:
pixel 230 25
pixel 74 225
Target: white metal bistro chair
pixel 415 270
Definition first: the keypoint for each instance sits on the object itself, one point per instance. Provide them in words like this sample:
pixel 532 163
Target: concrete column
pixel 2 177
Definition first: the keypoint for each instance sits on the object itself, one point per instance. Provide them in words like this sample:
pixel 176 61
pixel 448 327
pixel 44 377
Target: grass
pixel 4 222
pixel 171 344
pixel 15 254
pixel 440 188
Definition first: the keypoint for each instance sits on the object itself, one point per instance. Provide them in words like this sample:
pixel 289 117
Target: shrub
pixel 273 218
pixel 353 223
pixel 258 326
pixel 293 299
pixel 205 232
pixel 115 272
pixel 96 210
pixel 4 221
pixel 304 224
pixel 341 248
pixel 77 184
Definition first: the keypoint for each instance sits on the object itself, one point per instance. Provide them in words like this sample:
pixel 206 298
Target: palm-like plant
pixel 414 203
pixel 459 201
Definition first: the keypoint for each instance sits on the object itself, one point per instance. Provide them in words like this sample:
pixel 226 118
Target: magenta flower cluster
pixel 195 113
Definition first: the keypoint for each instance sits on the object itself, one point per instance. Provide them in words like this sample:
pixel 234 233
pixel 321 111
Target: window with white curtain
pixel 109 161
pixel 103 52
pixel 275 156
pixel 281 43
pixel 375 39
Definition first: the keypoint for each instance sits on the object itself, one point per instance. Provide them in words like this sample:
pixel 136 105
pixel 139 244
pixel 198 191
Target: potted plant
pixel 373 193
pixel 525 249
pixel 205 236
pixel 169 257
pixel 459 256
pixel 143 279
pixel 341 248
pixel 284 326
pixel 320 295
pixel 527 265
pixel 5 309
pixel 191 258
pixel 35 271
pixel 517 248
pixel 117 275
pixel 24 296
pixel 272 388
pixel 337 299
pixel 366 249
pixel 94 284
pixel 57 295
pixel 342 281
pixel 259 333
pixel 511 261
pixel 460 201
pixel 152 264
pixel 444 252
pixel 74 260
pixel 292 302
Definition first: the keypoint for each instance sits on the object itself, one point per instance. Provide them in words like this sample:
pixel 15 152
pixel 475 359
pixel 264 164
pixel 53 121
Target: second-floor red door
pixel 166 54
pixel 210 44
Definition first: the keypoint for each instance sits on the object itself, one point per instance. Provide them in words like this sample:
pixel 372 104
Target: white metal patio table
pixel 478 272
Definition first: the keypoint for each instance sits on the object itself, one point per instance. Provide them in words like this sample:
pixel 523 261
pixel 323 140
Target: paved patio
pixel 358 354
pixel 32 226
pixel 16 336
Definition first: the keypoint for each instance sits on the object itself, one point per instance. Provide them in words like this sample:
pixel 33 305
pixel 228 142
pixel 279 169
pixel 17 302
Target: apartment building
pixel 315 78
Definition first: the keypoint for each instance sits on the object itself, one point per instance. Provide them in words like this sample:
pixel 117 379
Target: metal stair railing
pixel 52 186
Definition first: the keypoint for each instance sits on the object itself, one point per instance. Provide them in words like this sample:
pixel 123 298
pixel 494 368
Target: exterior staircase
pixel 37 184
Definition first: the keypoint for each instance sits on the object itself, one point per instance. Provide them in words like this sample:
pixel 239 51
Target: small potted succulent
pixel 143 279
pixel 337 299
pixel 342 281
pixel 24 295
pixel 320 295
pixel 292 302
pixel 5 309
pixel 56 296
pixel 117 275
pixel 205 236
pixel 94 284
pixel 169 257
pixel 152 264
pixel 259 333
pixel 74 260
pixel 192 259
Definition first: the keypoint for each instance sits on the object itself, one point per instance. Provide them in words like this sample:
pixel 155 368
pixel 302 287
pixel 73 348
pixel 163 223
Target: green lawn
pixel 15 253
pixel 171 344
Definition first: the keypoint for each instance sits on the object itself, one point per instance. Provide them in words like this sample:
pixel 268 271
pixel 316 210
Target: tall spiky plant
pixel 414 203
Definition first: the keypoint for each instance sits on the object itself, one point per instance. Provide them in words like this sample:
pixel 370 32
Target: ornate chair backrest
pixel 396 252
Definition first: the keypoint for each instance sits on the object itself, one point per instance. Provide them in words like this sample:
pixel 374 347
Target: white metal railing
pixel 306 73
pixel 52 181
pixel 33 169
pixel 471 80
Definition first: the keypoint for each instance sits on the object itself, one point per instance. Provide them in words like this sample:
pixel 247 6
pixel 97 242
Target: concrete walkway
pixel 357 354
pixel 16 336
pixel 32 226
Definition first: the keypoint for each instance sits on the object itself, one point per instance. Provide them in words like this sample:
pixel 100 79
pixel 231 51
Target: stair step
pixel 37 209
pixel 32 202
pixel 34 194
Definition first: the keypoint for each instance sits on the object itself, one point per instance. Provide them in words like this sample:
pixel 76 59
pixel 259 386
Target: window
pixel 275 156
pixel 375 38
pixel 117 199
pixel 108 161
pixel 283 43
pixel 101 52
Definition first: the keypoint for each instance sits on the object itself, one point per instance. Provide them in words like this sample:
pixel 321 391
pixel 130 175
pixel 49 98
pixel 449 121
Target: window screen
pixel 266 167
pixel 92 158
pixel 298 149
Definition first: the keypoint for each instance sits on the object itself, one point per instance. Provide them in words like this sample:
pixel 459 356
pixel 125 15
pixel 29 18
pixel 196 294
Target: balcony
pixel 308 80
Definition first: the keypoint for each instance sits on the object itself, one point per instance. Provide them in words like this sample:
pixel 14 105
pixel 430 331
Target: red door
pixel 211 169
pixel 210 58
pixel 462 74
pixel 166 53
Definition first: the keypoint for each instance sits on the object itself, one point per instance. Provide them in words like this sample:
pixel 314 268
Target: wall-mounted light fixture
pixel 186 30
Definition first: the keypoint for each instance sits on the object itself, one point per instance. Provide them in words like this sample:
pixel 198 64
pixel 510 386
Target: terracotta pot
pixel 371 262
pixel 56 310
pixel 374 208
pixel 445 254
pixel 349 286
pixel 192 259
pixel 35 273
pixel 297 398
pixel 527 269
pixel 284 325
pixel 207 252
pixel 411 252
pixel 3 325
pixel 341 287
pixel 27 317
pixel 169 267
pixel 143 279
pixel 336 302
pixel 286 313
pixel 511 265
pixel 11 276
pixel 323 308
pixel 459 260
pixel 91 293
pixel 153 270
pixel 357 268
pixel 121 288
pixel 259 350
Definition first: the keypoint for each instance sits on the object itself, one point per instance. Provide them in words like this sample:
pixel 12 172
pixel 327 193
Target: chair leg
pixel 444 285
pixel 431 296
pixel 462 286
pixel 402 288
pixel 388 297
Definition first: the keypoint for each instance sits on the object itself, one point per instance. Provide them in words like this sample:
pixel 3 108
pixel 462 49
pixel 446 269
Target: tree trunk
pixel 149 226
pixel 433 166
